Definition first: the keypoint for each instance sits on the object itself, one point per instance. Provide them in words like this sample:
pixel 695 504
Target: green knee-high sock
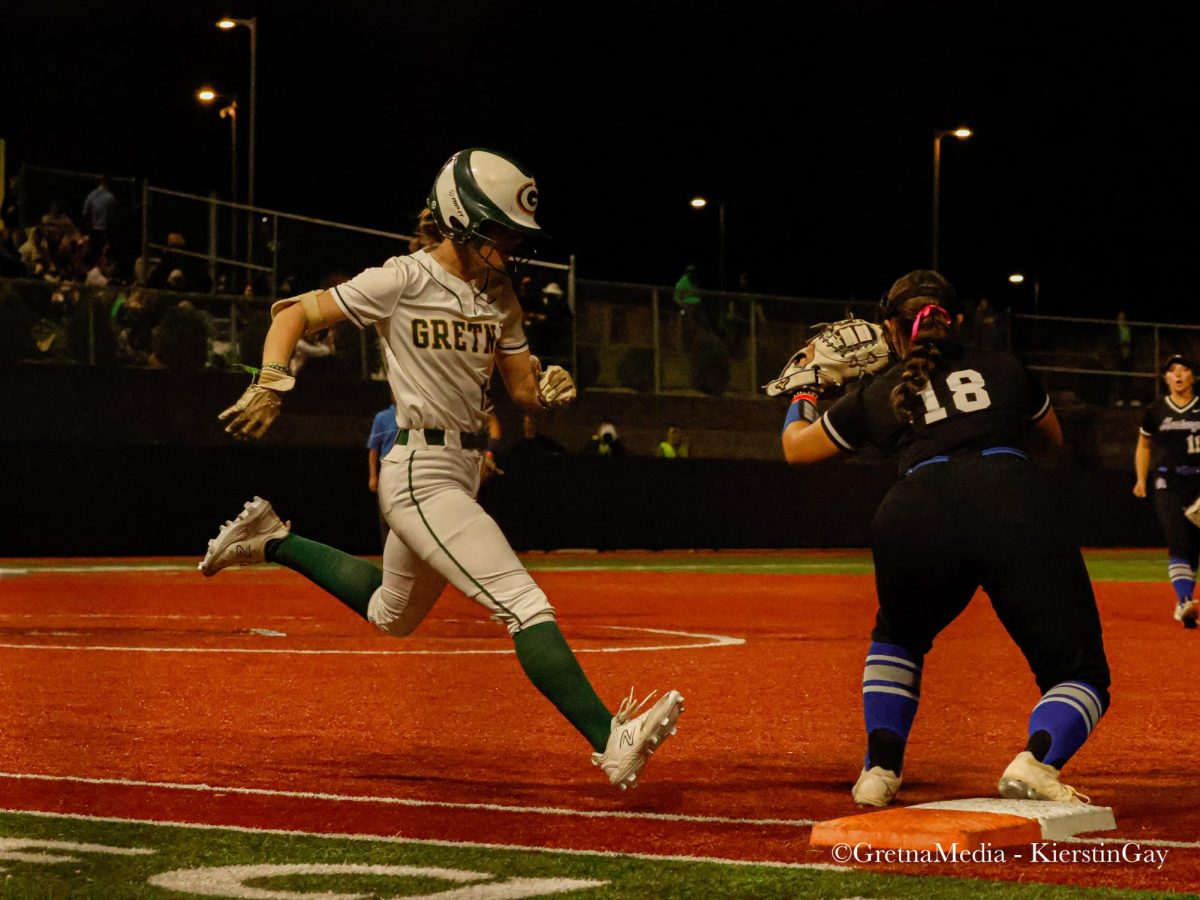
pixel 350 579
pixel 553 669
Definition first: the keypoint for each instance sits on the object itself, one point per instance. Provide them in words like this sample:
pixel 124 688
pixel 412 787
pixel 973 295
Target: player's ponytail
pixel 916 304
pixel 428 234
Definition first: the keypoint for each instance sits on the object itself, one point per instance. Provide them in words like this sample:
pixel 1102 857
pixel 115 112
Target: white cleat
pixel 633 741
pixel 243 541
pixel 1027 779
pixel 876 787
pixel 1187 612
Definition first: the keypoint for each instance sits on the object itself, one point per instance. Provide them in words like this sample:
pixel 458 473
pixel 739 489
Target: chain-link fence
pixel 223 247
pixel 38 190
pixel 611 336
pixel 1102 361
pixel 644 338
pixel 217 265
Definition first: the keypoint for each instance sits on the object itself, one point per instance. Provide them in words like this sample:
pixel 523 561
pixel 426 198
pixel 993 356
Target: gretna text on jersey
pixel 438 334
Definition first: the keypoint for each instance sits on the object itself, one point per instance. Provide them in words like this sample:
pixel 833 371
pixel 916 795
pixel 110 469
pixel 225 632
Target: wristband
pixel 802 408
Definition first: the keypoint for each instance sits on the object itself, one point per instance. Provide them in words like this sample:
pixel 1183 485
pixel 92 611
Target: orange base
pixel 910 828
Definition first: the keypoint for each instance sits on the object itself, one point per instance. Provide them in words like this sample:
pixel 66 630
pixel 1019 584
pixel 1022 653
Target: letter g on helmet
pixel 477 186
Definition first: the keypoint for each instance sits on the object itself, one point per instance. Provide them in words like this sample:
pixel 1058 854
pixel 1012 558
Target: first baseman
pixel 447 316
pixel 971 511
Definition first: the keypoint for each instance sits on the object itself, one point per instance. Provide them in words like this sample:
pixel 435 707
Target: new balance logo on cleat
pixel 243 541
pixel 633 741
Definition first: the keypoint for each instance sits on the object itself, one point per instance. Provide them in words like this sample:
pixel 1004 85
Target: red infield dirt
pixel 339 729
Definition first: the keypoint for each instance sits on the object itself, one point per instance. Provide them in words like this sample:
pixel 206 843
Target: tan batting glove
pixel 258 407
pixel 555 386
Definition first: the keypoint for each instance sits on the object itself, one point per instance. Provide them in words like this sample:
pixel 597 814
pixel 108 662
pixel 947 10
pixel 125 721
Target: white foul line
pixel 405 801
pixel 709 640
pixel 428 842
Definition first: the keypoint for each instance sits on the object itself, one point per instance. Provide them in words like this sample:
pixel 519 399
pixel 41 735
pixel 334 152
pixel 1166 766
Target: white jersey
pixel 440 338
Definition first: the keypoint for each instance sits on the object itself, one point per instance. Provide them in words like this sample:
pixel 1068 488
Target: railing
pixel 614 336
pixel 651 339
pixel 1091 358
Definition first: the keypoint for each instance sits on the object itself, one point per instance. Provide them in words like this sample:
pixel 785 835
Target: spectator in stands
pixel 548 325
pixel 134 322
pixel 688 296
pixel 675 445
pixel 71 260
pixel 605 443
pixel 57 225
pixel 99 211
pixel 532 447
pixel 320 346
pixel 181 340
pixel 104 270
pixel 987 327
pixel 1123 382
pixel 176 270
pixel 35 253
pixel 735 318
pixel 11 264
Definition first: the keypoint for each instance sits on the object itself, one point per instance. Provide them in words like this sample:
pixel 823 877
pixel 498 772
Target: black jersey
pixel 1175 433
pixel 977 399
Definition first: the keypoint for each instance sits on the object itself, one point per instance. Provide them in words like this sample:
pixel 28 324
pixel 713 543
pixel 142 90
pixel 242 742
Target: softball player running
pixel 970 511
pixel 1169 442
pixel 447 316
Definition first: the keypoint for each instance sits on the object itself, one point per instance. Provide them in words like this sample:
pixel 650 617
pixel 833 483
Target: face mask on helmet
pixel 477 186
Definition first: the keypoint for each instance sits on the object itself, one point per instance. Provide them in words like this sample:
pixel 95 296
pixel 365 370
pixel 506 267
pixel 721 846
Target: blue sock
pixel 1067 713
pixel 1183 578
pixel 891 692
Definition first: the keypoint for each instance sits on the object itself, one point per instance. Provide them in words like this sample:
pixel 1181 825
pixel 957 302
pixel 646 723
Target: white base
pixel 1059 821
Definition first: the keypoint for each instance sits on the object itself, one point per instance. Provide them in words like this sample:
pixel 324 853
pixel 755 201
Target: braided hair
pixel 917 303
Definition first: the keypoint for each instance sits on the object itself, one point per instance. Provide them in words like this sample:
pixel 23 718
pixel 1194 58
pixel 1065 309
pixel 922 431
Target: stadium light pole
pixel 207 95
pixel 251 25
pixel 229 111
pixel 1018 278
pixel 701 203
pixel 962 133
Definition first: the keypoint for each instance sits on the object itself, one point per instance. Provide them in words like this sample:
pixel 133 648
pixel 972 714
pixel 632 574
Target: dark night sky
pixel 814 120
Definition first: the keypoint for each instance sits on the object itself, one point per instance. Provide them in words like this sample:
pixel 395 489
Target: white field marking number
pixel 19 850
pixel 966 390
pixel 230 881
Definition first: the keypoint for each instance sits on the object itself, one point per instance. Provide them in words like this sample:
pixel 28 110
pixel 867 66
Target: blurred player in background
pixel 1169 442
pixel 970 511
pixel 379 443
pixel 447 317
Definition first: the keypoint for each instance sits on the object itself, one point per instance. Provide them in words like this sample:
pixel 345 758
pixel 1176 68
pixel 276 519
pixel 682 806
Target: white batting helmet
pixel 477 186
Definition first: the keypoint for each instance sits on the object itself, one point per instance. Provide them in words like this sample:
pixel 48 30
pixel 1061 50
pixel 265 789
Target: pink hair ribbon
pixel 930 309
